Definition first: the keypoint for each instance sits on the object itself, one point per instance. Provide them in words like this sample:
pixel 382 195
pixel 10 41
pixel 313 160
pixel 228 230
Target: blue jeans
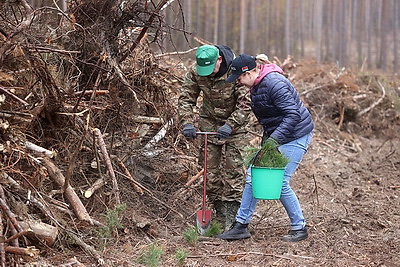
pixel 295 151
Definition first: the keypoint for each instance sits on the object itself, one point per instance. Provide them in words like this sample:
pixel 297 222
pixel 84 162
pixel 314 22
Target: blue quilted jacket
pixel 278 108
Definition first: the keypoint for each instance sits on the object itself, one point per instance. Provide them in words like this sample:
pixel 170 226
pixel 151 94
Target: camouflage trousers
pixel 225 170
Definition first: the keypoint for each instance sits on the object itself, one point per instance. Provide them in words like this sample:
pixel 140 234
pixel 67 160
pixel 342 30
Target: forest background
pixel 352 33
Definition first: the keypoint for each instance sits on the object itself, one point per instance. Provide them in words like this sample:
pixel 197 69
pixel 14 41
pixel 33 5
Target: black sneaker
pixel 237 231
pixel 296 235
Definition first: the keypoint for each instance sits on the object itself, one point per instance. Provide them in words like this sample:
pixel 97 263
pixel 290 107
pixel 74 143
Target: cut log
pixel 97 185
pixel 29 251
pixel 39 232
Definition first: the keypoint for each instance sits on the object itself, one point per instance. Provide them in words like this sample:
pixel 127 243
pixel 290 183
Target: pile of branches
pixel 358 103
pixel 74 86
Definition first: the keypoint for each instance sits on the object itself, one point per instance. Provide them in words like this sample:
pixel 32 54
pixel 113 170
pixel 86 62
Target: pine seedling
pixel 268 156
pixel 152 255
pixel 181 255
pixel 215 229
pixel 191 235
pixel 113 221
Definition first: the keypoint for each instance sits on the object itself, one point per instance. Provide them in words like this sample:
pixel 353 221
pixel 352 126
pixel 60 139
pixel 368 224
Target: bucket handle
pixel 255 157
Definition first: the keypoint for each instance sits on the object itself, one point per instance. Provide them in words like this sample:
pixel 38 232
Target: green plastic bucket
pixel 267 182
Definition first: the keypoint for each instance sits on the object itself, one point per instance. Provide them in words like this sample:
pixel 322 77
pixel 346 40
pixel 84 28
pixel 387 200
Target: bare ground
pixel 350 200
pixel 348 185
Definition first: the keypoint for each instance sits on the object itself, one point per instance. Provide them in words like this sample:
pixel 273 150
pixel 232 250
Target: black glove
pixel 189 131
pixel 224 131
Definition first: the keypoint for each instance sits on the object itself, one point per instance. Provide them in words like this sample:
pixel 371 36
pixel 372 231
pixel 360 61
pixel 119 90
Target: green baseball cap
pixel 206 57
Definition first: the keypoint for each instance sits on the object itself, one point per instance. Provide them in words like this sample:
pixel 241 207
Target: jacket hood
pixel 265 70
pixel 227 58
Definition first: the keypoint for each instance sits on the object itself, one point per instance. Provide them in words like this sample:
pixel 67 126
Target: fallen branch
pixel 160 135
pixel 17 187
pixel 313 89
pixel 183 191
pixel 103 149
pixel 47 211
pixel 121 76
pixel 315 188
pixel 27 117
pixel 153 15
pixel 89 92
pixel 127 173
pixel 50 49
pixel 71 165
pixel 341 115
pixel 375 103
pixel 195 177
pixel 201 40
pixel 76 204
pixel 39 149
pixel 186 194
pixel 4 90
pixel 10 215
pixel 286 257
pixel 176 53
pixel 12 228
pixel 2 195
pixel 2 251
pixel 16 236
pixel 86 247
pixel 14 242
pixel 149 120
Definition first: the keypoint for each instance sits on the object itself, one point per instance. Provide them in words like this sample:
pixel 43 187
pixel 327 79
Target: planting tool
pixel 203 216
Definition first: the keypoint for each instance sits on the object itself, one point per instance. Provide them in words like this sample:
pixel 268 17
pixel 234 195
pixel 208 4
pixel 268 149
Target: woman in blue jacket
pixel 287 123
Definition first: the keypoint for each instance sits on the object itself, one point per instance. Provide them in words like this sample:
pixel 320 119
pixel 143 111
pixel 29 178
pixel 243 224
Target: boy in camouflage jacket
pixel 225 109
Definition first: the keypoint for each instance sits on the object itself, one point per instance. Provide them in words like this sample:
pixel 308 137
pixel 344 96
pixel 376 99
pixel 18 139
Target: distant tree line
pixel 361 33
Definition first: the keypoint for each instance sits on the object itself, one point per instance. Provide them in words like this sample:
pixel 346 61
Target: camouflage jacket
pixel 222 102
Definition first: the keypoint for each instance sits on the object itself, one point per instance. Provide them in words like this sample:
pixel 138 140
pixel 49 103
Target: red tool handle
pixel 207 133
pixel 205 172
